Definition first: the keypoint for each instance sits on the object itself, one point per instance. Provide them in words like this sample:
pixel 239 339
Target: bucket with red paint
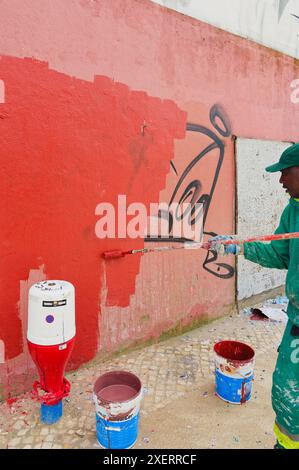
pixel 234 363
pixel 117 396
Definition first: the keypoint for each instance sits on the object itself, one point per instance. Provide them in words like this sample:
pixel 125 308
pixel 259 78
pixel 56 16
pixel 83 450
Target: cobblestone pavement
pixel 168 370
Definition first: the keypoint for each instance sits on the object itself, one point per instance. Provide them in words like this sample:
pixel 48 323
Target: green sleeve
pixel 274 254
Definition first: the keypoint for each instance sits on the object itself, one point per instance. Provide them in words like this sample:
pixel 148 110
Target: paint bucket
pixel 117 396
pixel 234 364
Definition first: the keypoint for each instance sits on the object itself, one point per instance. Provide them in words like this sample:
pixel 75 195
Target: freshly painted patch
pixel 71 145
pixel 2 352
pixel 2 92
pixel 68 144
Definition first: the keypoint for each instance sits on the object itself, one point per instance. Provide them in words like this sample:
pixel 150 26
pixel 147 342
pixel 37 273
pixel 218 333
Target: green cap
pixel 290 157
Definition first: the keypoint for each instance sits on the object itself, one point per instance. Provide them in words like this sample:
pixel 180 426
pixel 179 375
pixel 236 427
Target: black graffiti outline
pixel 216 111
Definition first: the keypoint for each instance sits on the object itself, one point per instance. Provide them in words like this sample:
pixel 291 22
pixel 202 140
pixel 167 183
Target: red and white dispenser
pixel 51 335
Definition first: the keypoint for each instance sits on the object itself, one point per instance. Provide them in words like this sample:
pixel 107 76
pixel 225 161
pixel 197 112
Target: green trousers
pixel 285 389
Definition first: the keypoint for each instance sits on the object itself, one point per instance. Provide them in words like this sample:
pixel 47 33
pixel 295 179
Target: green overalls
pixel 284 254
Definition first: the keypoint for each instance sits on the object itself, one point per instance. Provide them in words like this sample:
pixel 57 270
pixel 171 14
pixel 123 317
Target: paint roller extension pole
pixel 262 238
pixel 114 254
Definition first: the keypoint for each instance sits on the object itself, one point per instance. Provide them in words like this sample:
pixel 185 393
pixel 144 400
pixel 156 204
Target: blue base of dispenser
pixel 50 414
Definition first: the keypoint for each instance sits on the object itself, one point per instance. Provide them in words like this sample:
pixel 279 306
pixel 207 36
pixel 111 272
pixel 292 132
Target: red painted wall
pixel 81 79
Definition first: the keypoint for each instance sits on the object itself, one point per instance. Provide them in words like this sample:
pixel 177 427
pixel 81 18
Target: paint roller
pixel 114 254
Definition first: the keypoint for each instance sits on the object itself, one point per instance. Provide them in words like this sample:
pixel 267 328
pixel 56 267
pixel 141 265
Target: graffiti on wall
pixel 220 127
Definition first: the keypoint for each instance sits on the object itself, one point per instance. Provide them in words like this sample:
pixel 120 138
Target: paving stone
pixel 28 440
pixel 14 442
pixel 18 425
pixel 46 445
pixel 167 372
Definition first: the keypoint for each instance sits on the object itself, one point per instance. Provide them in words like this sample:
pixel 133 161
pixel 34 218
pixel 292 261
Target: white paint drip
pixel 2 352
pixel 35 275
pixel 2 91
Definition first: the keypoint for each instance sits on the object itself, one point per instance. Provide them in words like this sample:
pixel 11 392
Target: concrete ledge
pixel 255 300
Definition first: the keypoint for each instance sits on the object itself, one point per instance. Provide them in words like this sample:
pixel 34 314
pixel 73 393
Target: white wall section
pixel 273 23
pixel 260 202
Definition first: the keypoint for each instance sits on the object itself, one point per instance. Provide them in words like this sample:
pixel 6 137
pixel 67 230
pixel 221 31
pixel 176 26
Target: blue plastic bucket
pixel 117 396
pixel 234 363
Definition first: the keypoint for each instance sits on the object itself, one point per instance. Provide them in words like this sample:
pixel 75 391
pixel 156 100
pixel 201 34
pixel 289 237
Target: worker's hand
pixel 222 249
